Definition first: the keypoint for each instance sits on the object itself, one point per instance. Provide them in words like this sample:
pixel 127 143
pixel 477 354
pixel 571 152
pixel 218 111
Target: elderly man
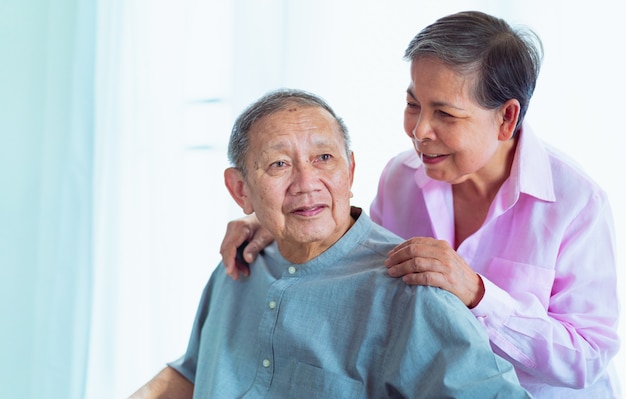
pixel 318 316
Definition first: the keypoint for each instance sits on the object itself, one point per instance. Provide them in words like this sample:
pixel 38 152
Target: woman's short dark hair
pixel 506 60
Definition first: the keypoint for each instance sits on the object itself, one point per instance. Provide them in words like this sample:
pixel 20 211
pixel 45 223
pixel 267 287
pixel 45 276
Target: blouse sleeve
pixel 572 343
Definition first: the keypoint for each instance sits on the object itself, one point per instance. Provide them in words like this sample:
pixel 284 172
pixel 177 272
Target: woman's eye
pixel 412 107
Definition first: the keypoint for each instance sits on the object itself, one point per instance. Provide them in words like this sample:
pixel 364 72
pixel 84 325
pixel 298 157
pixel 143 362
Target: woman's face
pixel 455 137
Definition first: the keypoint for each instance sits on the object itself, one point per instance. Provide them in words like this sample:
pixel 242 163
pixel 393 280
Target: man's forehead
pixel 315 140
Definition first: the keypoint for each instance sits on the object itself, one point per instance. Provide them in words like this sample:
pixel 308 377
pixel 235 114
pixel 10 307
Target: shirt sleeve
pixel 440 350
pixel 572 343
pixel 187 364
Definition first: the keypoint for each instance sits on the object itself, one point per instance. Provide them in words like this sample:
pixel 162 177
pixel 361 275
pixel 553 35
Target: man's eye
pixel 278 164
pixel 326 157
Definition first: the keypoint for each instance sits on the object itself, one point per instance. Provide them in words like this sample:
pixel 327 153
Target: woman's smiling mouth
pixel 433 158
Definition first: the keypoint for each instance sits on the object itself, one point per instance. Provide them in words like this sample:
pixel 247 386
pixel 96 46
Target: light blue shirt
pixel 338 327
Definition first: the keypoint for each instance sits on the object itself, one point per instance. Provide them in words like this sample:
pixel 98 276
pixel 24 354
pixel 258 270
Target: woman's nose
pixel 421 130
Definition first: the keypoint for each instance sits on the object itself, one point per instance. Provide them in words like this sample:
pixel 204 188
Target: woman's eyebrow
pixel 435 103
pixel 410 93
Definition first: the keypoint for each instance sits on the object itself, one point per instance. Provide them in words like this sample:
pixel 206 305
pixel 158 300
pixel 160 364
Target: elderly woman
pixel 490 213
pixel 319 317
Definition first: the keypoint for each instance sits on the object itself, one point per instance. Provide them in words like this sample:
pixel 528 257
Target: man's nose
pixel 305 178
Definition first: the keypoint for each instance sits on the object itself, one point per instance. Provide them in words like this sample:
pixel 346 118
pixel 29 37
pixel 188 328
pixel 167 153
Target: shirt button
pixel 291 270
pixel 272 305
pixel 266 363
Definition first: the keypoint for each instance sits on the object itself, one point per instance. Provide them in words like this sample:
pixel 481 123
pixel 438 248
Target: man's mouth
pixel 308 210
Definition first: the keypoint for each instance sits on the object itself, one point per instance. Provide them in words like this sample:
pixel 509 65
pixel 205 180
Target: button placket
pixel 273 302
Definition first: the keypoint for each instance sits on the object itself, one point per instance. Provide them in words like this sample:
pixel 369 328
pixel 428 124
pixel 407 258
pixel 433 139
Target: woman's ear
pixel 236 185
pixel 509 113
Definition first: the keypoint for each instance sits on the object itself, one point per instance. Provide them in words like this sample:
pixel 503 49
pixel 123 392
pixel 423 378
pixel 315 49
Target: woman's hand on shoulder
pixel 243 241
pixel 427 261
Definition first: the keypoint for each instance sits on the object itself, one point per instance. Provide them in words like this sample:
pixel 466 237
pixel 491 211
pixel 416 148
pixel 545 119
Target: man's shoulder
pixel 378 239
pixel 442 308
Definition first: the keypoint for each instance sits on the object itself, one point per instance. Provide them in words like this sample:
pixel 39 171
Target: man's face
pixel 298 180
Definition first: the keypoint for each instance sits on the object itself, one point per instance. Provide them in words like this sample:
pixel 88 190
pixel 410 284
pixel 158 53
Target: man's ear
pixel 509 113
pixel 352 166
pixel 236 185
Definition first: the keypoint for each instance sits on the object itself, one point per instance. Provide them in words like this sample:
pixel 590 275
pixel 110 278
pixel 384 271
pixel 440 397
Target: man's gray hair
pixel 267 105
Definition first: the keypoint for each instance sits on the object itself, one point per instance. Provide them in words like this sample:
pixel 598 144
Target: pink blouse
pixel 546 253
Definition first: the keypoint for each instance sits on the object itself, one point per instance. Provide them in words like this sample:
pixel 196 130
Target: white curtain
pixel 114 117
pixel 162 116
pixel 46 164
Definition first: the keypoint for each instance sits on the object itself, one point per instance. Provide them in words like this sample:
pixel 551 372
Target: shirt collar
pixel 531 172
pixel 340 249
